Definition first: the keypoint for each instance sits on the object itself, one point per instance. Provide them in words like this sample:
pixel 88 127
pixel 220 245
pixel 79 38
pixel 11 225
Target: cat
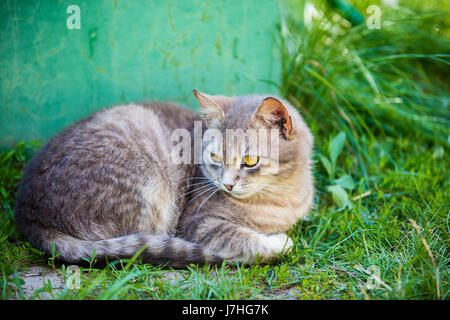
pixel 109 183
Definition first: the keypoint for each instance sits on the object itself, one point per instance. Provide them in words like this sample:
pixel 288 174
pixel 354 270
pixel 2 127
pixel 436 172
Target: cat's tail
pixel 159 249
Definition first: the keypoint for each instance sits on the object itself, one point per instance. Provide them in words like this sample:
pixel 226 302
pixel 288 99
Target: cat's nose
pixel 229 186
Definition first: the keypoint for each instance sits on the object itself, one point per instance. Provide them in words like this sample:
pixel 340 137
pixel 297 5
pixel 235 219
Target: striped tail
pixel 159 249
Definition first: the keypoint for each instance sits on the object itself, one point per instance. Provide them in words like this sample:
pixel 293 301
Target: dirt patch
pixel 37 283
pixel 45 283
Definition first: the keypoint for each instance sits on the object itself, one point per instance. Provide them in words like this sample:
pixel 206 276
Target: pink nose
pixel 229 186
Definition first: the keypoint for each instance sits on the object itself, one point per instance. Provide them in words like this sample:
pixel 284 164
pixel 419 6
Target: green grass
pixel 377 102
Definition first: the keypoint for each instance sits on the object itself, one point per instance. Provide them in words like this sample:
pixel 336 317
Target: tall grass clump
pixel 369 83
pixel 377 101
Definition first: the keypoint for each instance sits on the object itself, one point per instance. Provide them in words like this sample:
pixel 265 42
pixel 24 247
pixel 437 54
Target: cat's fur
pixel 108 183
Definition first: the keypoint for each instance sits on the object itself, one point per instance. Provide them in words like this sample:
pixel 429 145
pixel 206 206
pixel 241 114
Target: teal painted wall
pixel 127 51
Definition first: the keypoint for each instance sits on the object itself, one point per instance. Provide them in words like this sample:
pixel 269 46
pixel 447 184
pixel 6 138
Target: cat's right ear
pixel 212 113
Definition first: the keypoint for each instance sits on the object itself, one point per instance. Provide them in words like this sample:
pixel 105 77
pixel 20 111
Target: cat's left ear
pixel 272 111
pixel 212 113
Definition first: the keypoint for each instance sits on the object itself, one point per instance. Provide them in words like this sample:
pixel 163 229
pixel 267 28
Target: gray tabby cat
pixel 108 183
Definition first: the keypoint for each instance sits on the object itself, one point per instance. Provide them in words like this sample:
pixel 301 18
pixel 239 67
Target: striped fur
pixel 107 183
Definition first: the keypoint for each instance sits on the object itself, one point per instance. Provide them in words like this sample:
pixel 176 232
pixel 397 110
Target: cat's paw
pixel 266 248
pixel 280 243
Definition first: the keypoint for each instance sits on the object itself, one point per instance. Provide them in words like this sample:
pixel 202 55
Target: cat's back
pixel 101 170
pixel 119 134
pixel 134 118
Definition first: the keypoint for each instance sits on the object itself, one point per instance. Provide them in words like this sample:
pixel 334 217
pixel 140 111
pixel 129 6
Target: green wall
pixel 127 51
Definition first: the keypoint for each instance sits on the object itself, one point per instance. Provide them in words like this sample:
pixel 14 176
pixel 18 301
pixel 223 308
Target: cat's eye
pixel 251 161
pixel 215 157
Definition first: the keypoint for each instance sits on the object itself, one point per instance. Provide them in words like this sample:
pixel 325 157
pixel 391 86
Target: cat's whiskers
pixel 286 193
pixel 204 201
pixel 294 199
pixel 196 189
pixel 286 188
pixel 195 178
pixel 209 189
pixel 265 193
pixel 194 184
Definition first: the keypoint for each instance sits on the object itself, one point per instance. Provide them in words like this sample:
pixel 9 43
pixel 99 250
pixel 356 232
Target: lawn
pixel 377 102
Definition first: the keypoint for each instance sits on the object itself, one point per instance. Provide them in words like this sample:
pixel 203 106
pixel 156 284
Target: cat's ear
pixel 272 111
pixel 212 112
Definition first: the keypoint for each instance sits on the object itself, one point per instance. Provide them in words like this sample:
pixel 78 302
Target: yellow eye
pixel 251 161
pixel 215 157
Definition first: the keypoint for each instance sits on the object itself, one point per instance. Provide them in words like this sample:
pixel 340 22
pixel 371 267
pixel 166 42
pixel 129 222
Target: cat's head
pixel 249 166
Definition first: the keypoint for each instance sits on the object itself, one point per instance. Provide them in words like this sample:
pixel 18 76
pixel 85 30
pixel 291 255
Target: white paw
pixel 279 243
